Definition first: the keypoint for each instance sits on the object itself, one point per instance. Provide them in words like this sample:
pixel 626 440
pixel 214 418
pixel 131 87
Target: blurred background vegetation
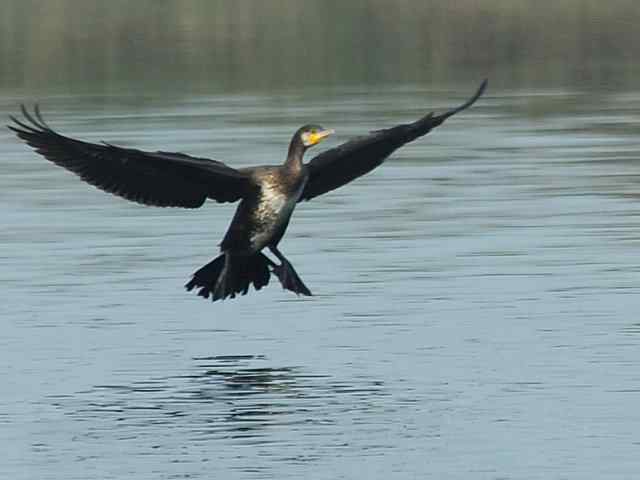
pixel 222 45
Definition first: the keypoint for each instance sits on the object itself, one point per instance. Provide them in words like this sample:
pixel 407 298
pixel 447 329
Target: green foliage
pixel 78 44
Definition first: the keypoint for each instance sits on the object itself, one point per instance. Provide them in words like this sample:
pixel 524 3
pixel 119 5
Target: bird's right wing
pixel 153 178
pixel 344 163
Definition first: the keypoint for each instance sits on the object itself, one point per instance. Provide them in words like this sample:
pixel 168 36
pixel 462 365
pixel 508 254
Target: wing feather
pixel 344 163
pixel 152 178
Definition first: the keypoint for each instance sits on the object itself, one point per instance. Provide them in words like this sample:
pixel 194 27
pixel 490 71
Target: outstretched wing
pixel 153 178
pixel 346 162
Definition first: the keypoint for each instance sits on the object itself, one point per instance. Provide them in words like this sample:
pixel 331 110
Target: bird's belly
pixel 270 217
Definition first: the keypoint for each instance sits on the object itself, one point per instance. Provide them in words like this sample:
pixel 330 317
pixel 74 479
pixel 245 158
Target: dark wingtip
pixel 15 121
pixel 19 127
pixel 430 121
pixel 483 86
pixel 30 122
pixel 471 101
pixel 36 109
pixel 481 89
pixel 479 92
pixel 12 127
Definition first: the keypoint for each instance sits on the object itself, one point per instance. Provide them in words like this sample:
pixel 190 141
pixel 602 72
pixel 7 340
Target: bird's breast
pixel 273 199
pixel 274 208
pixel 276 204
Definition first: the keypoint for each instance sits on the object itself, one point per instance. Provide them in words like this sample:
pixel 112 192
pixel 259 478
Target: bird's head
pixel 311 135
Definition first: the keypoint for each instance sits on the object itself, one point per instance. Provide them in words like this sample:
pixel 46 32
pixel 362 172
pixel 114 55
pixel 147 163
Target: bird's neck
pixel 294 157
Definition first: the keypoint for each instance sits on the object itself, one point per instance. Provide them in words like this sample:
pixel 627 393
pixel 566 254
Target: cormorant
pixel 267 194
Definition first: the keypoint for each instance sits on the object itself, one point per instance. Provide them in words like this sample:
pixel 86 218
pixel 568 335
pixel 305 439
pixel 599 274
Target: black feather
pixel 152 178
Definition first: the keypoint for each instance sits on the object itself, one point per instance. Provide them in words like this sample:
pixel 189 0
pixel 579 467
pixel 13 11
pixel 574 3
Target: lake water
pixel 475 311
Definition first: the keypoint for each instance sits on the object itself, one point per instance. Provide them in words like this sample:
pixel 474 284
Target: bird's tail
pixel 228 276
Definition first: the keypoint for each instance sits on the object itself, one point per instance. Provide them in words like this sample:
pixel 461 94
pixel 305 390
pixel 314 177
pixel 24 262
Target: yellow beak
pixel 317 137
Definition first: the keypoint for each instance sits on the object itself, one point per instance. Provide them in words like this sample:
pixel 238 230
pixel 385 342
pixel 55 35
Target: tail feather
pixel 228 276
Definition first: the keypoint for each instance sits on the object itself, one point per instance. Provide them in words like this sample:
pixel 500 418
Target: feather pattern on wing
pixel 344 163
pixel 152 178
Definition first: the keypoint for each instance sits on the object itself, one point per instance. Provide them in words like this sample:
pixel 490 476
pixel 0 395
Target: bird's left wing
pixel 153 178
pixel 344 163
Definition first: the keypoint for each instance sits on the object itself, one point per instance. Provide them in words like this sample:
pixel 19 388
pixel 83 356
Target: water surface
pixel 475 308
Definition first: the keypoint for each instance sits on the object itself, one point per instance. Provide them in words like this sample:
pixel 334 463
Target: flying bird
pixel 267 194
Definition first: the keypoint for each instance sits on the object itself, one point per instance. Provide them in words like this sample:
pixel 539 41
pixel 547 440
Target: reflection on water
pixel 224 397
pixel 474 313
